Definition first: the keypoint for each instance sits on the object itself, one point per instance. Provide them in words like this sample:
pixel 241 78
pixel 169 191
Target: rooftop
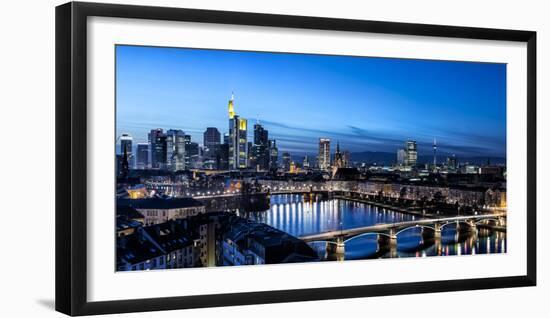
pixel 159 203
pixel 134 249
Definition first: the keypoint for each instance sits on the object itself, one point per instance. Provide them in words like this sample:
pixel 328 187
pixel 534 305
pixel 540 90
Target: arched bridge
pixel 388 232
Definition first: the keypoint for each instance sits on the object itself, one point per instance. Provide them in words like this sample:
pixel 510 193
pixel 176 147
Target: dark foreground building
pixel 207 239
pixel 249 243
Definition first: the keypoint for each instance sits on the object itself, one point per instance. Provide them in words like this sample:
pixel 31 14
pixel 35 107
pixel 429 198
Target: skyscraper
pixel 452 162
pixel 175 150
pixel 324 153
pixel 157 148
pixel 126 144
pixel 211 137
pixel 238 146
pixel 211 142
pixel 191 153
pixel 260 149
pixel 142 156
pixel 411 154
pixel 124 167
pixel 273 155
pixel 222 159
pixel 401 157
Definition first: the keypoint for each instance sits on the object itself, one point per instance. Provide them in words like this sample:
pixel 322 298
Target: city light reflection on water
pixel 296 216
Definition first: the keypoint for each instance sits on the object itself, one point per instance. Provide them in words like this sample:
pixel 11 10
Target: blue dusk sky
pixel 365 103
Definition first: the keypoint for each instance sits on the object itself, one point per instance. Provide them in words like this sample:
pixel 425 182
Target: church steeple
pixel 338 158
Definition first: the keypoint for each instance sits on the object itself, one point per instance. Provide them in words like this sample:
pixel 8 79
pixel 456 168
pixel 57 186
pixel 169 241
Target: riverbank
pixel 386 206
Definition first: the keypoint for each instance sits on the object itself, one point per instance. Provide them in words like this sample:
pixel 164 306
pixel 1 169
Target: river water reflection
pixel 294 215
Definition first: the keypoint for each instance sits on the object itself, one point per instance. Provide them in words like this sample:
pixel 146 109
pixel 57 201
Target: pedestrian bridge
pixel 388 232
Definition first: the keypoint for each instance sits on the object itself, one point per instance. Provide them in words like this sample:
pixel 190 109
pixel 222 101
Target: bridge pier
pixel 392 243
pixel 389 240
pixel 429 234
pixel 337 247
pixel 393 238
pixel 473 227
pixel 437 231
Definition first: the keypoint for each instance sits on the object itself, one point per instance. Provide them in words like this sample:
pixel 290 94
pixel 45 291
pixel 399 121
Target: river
pixel 296 216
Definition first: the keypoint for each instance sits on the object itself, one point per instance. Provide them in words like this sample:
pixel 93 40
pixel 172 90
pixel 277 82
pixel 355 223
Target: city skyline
pixel 139 110
pixel 229 158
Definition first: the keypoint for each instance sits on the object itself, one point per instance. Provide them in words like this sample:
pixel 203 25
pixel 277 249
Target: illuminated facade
pixel 238 150
pixel 401 157
pixel 324 153
pixel 411 153
pixel 175 150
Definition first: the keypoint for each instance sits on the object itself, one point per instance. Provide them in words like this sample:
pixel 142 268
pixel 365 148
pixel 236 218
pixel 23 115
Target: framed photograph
pixel 209 158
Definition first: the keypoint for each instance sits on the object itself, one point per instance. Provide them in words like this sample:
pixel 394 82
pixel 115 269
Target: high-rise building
pixel 250 158
pixel 452 162
pixel 175 150
pixel 142 156
pixel 124 166
pixel 126 143
pixel 157 148
pixel 411 154
pixel 260 135
pixel 324 153
pixel 286 161
pixel 191 153
pixel 273 155
pixel 401 157
pixel 211 142
pixel 238 145
pixel 260 150
pixel 211 137
pixel 222 159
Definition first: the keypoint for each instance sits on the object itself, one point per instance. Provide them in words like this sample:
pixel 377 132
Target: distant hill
pixel 388 158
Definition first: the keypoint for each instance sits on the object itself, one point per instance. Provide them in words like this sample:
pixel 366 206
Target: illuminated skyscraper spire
pixel 231 108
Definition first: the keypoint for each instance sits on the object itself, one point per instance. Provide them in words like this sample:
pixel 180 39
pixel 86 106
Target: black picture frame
pixel 71 157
